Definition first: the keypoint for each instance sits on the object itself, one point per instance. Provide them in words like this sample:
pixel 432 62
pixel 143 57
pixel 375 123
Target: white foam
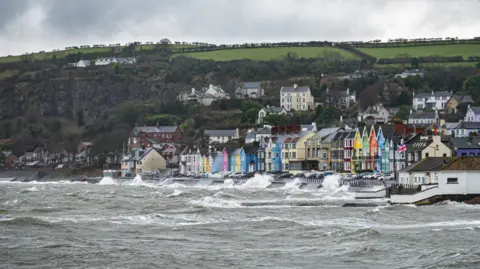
pixel 228 183
pixel 107 181
pixel 257 182
pixel 137 180
pixel 332 190
pixel 215 203
pixel 293 185
pixel 32 189
pixel 175 193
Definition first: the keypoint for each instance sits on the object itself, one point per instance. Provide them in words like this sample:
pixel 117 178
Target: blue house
pixel 216 162
pixel 249 158
pixel 277 154
pixel 465 146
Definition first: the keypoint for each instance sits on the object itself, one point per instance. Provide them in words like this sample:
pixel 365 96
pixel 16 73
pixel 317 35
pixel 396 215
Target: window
pixel 294 155
pixel 286 155
pixel 452 180
pixel 426 155
pixel 444 155
pixel 464 154
pixel 276 154
pixel 294 146
pixel 269 155
pixel 324 155
pixel 286 166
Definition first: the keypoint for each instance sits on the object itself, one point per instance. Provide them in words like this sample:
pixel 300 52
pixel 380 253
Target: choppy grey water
pixel 141 225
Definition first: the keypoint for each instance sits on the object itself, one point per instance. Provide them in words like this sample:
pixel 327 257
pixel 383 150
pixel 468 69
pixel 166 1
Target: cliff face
pixel 92 94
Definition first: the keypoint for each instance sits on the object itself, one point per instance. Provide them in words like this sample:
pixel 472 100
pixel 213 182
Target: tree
pixel 403 112
pixel 477 65
pixel 274 119
pixel 472 86
pixel 404 99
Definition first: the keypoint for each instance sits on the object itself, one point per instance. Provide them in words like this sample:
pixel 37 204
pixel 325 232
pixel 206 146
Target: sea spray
pixel 137 180
pixel 293 185
pixel 333 190
pixel 107 181
pixel 257 182
pixel 228 183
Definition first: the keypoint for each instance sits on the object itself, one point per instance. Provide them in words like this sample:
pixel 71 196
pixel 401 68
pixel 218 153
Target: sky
pixel 34 25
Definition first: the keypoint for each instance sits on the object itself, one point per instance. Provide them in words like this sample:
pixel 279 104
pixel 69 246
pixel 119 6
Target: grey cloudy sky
pixel 33 25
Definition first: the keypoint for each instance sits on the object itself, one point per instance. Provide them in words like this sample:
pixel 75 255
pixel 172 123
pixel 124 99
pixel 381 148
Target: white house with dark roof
pixel 205 97
pixel 423 117
pixel 270 110
pixel 249 90
pixel 113 60
pixel 296 98
pixel 378 112
pixel 465 128
pixel 473 114
pixel 433 100
pixel 221 136
pixel 83 63
pixel 411 73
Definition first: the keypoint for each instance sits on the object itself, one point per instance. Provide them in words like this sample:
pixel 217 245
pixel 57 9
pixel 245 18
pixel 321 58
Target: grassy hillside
pixel 63 53
pixel 464 50
pixel 264 54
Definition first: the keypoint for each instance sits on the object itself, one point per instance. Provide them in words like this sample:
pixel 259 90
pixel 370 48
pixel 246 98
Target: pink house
pixel 227 152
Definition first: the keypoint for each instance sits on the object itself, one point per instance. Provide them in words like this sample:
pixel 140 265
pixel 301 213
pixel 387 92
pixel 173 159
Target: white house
pixel 113 60
pixel 473 114
pixel 216 91
pixel 205 97
pixel 442 178
pixel 83 63
pixel 431 100
pixel 296 98
pixel 377 112
pixel 268 110
pixel 190 161
pixel 249 90
pixel 465 128
pixel 411 73
pixel 222 136
pixel 423 117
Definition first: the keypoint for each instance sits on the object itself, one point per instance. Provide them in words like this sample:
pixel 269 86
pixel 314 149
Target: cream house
pixel 149 160
pixel 436 148
pixel 296 98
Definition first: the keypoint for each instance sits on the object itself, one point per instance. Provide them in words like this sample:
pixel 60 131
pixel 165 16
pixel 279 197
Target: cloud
pixel 32 25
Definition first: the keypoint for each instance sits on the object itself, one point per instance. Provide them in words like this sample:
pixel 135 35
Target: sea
pixel 140 224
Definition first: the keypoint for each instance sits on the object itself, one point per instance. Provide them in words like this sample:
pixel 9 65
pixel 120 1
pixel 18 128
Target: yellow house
pixel 296 147
pixel 150 160
pixel 237 160
pixel 357 150
pixel 206 163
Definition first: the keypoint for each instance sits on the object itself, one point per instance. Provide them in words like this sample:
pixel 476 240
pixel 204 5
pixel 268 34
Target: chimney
pixel 468 108
pixel 327 90
pixel 210 86
pixel 433 92
pixel 341 118
pixel 295 86
pixel 410 112
pixel 193 90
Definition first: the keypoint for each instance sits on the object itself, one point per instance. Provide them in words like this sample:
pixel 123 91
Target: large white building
pixel 433 100
pixel 222 136
pixel 205 97
pixel 440 178
pixel 296 98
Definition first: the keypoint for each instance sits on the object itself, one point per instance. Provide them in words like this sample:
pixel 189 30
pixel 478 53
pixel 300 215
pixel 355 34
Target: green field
pixel 464 50
pixel 265 54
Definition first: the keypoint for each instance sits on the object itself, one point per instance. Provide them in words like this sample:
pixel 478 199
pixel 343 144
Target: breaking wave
pixel 107 181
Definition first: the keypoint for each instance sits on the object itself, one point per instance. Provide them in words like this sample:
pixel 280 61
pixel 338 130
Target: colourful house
pixel 227 159
pixel 201 164
pixel 236 161
pixel 206 163
pixel 277 153
pixel 249 158
pixel 373 149
pixel 357 149
pixel 216 162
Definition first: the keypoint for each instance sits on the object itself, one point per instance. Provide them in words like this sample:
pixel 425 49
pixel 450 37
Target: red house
pixel 148 136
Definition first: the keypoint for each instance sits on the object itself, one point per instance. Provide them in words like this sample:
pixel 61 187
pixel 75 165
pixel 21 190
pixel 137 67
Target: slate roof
pixel 469 125
pixel 252 85
pixel 463 98
pixel 213 133
pixel 435 94
pixel 156 129
pixel 145 152
pixel 325 132
pixel 264 130
pixel 250 135
pixel 297 89
pixel 250 149
pixel 429 164
pixel 475 109
pixel 307 127
pixel 230 150
pixel 423 115
pixel 451 125
pixel 465 143
pixel 273 109
pixel 351 135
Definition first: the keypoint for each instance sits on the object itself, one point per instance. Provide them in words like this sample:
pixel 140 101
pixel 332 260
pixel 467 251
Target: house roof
pixel 307 127
pixel 418 145
pixel 325 132
pixel 213 133
pixel 351 135
pixel 465 142
pixel 273 109
pixel 293 89
pixel 250 149
pixel 463 98
pixel 429 164
pixel 463 163
pixel 432 94
pixel 252 85
pixel 423 115
pixel 155 129
pixel 264 130
pixel 469 125
pixel 475 109
pixel 230 150
pixel 451 125
pixel 38 149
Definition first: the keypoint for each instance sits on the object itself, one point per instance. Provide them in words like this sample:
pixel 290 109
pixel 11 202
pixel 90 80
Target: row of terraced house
pixel 378 147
